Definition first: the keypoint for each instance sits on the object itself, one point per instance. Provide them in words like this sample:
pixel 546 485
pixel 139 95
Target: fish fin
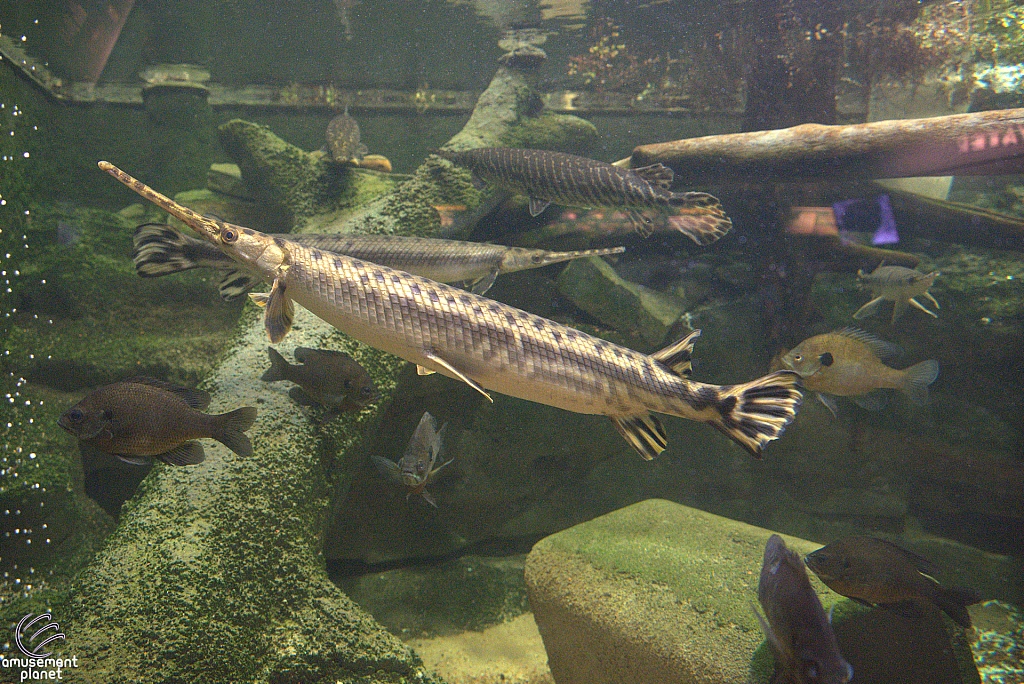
pixel 918 305
pixel 537 206
pixel 278 313
pixel 278 367
pixel 159 250
pixel 259 298
pixel 420 370
pixel 656 174
pixel 301 397
pixel 387 468
pixel 189 453
pixel 699 216
pixel 482 285
pixel 641 223
pixel 459 374
pixel 229 429
pixel 428 498
pixel 868 309
pixel 757 412
pixel 829 402
pixel 769 634
pixel 645 433
pixel 861 601
pixel 885 351
pixel 873 401
pixel 923 565
pixel 899 308
pixel 197 399
pixel 234 284
pixel 917 378
pixel 677 356
pixel 954 601
pixel 932 300
pixel 433 473
pixel 134 460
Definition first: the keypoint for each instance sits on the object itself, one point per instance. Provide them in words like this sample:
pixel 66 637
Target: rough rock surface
pixel 661 592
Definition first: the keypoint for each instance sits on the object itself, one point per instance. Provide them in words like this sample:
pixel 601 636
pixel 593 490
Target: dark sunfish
pixel 143 418
pixel 566 179
pixel 343 143
pixel 416 468
pixel 875 571
pixel 332 379
pixel 797 629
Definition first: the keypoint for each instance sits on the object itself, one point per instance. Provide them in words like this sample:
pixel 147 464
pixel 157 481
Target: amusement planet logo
pixel 33 635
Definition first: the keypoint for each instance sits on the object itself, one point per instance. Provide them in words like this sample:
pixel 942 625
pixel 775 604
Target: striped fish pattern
pixel 569 180
pixel 161 250
pixel 493 346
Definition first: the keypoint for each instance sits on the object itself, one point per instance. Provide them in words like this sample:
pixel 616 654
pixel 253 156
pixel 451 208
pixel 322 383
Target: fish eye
pixel 76 414
pixel 798 357
pixel 535 258
pixel 229 235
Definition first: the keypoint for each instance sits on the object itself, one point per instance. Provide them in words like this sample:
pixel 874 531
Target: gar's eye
pixel 535 258
pixel 229 235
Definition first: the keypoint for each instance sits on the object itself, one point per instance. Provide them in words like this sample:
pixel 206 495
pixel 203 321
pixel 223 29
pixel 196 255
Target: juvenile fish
pixel 343 144
pixel 875 571
pixel 797 630
pixel 416 468
pixel 143 418
pixel 899 285
pixel 493 346
pixel 849 363
pixel 566 179
pixel 332 379
pixel 161 250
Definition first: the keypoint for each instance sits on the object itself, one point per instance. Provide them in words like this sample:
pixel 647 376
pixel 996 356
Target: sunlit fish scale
pixel 567 179
pixel 161 250
pixel 492 346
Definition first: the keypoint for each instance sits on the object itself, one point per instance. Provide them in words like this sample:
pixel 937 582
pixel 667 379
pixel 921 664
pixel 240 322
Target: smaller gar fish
pixel 875 571
pixel 416 468
pixel 332 379
pixel 161 250
pixel 899 285
pixel 850 363
pixel 797 629
pixel 566 179
pixel 142 418
pixel 343 143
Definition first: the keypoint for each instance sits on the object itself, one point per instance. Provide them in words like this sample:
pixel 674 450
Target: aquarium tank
pixel 512 341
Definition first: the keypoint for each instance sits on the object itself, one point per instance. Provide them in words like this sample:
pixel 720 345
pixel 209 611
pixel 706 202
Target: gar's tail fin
pixel 229 429
pixel 917 378
pixel 954 601
pixel 756 412
pixel 699 216
pixel 278 367
pixel 160 250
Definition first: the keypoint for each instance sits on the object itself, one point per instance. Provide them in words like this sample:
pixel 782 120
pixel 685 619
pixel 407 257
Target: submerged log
pixel 983 143
pixel 215 572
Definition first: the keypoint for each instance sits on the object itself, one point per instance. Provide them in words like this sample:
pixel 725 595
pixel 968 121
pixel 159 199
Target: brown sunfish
pixel 416 468
pixel 142 418
pixel 875 571
pixel 566 179
pixel 343 143
pixel 332 379
pixel 797 629
pixel 899 285
pixel 848 363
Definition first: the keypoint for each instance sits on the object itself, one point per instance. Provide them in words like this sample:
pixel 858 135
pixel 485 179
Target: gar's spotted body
pixel 492 346
pixel 574 181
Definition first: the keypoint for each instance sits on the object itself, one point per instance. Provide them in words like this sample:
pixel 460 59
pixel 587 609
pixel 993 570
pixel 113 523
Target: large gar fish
pixel 161 250
pixel 492 346
pixel 566 179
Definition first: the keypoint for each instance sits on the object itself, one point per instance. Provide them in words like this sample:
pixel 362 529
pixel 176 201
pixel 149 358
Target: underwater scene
pixel 512 341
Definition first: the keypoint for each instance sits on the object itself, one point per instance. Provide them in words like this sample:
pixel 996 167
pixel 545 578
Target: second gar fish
pixel 161 250
pixel 492 346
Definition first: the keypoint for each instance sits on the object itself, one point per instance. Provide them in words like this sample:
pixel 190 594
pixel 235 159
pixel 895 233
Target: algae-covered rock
pixel 662 592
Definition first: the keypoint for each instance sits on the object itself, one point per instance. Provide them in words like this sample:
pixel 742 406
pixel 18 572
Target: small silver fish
pixel 416 468
pixel 899 285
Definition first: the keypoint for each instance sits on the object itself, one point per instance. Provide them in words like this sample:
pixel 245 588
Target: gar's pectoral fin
pixel 457 373
pixel 482 285
pixel 279 311
pixel 645 433
pixel 420 370
pixel 537 206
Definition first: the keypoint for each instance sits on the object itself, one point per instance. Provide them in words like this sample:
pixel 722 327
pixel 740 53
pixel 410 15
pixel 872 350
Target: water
pixel 302 562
